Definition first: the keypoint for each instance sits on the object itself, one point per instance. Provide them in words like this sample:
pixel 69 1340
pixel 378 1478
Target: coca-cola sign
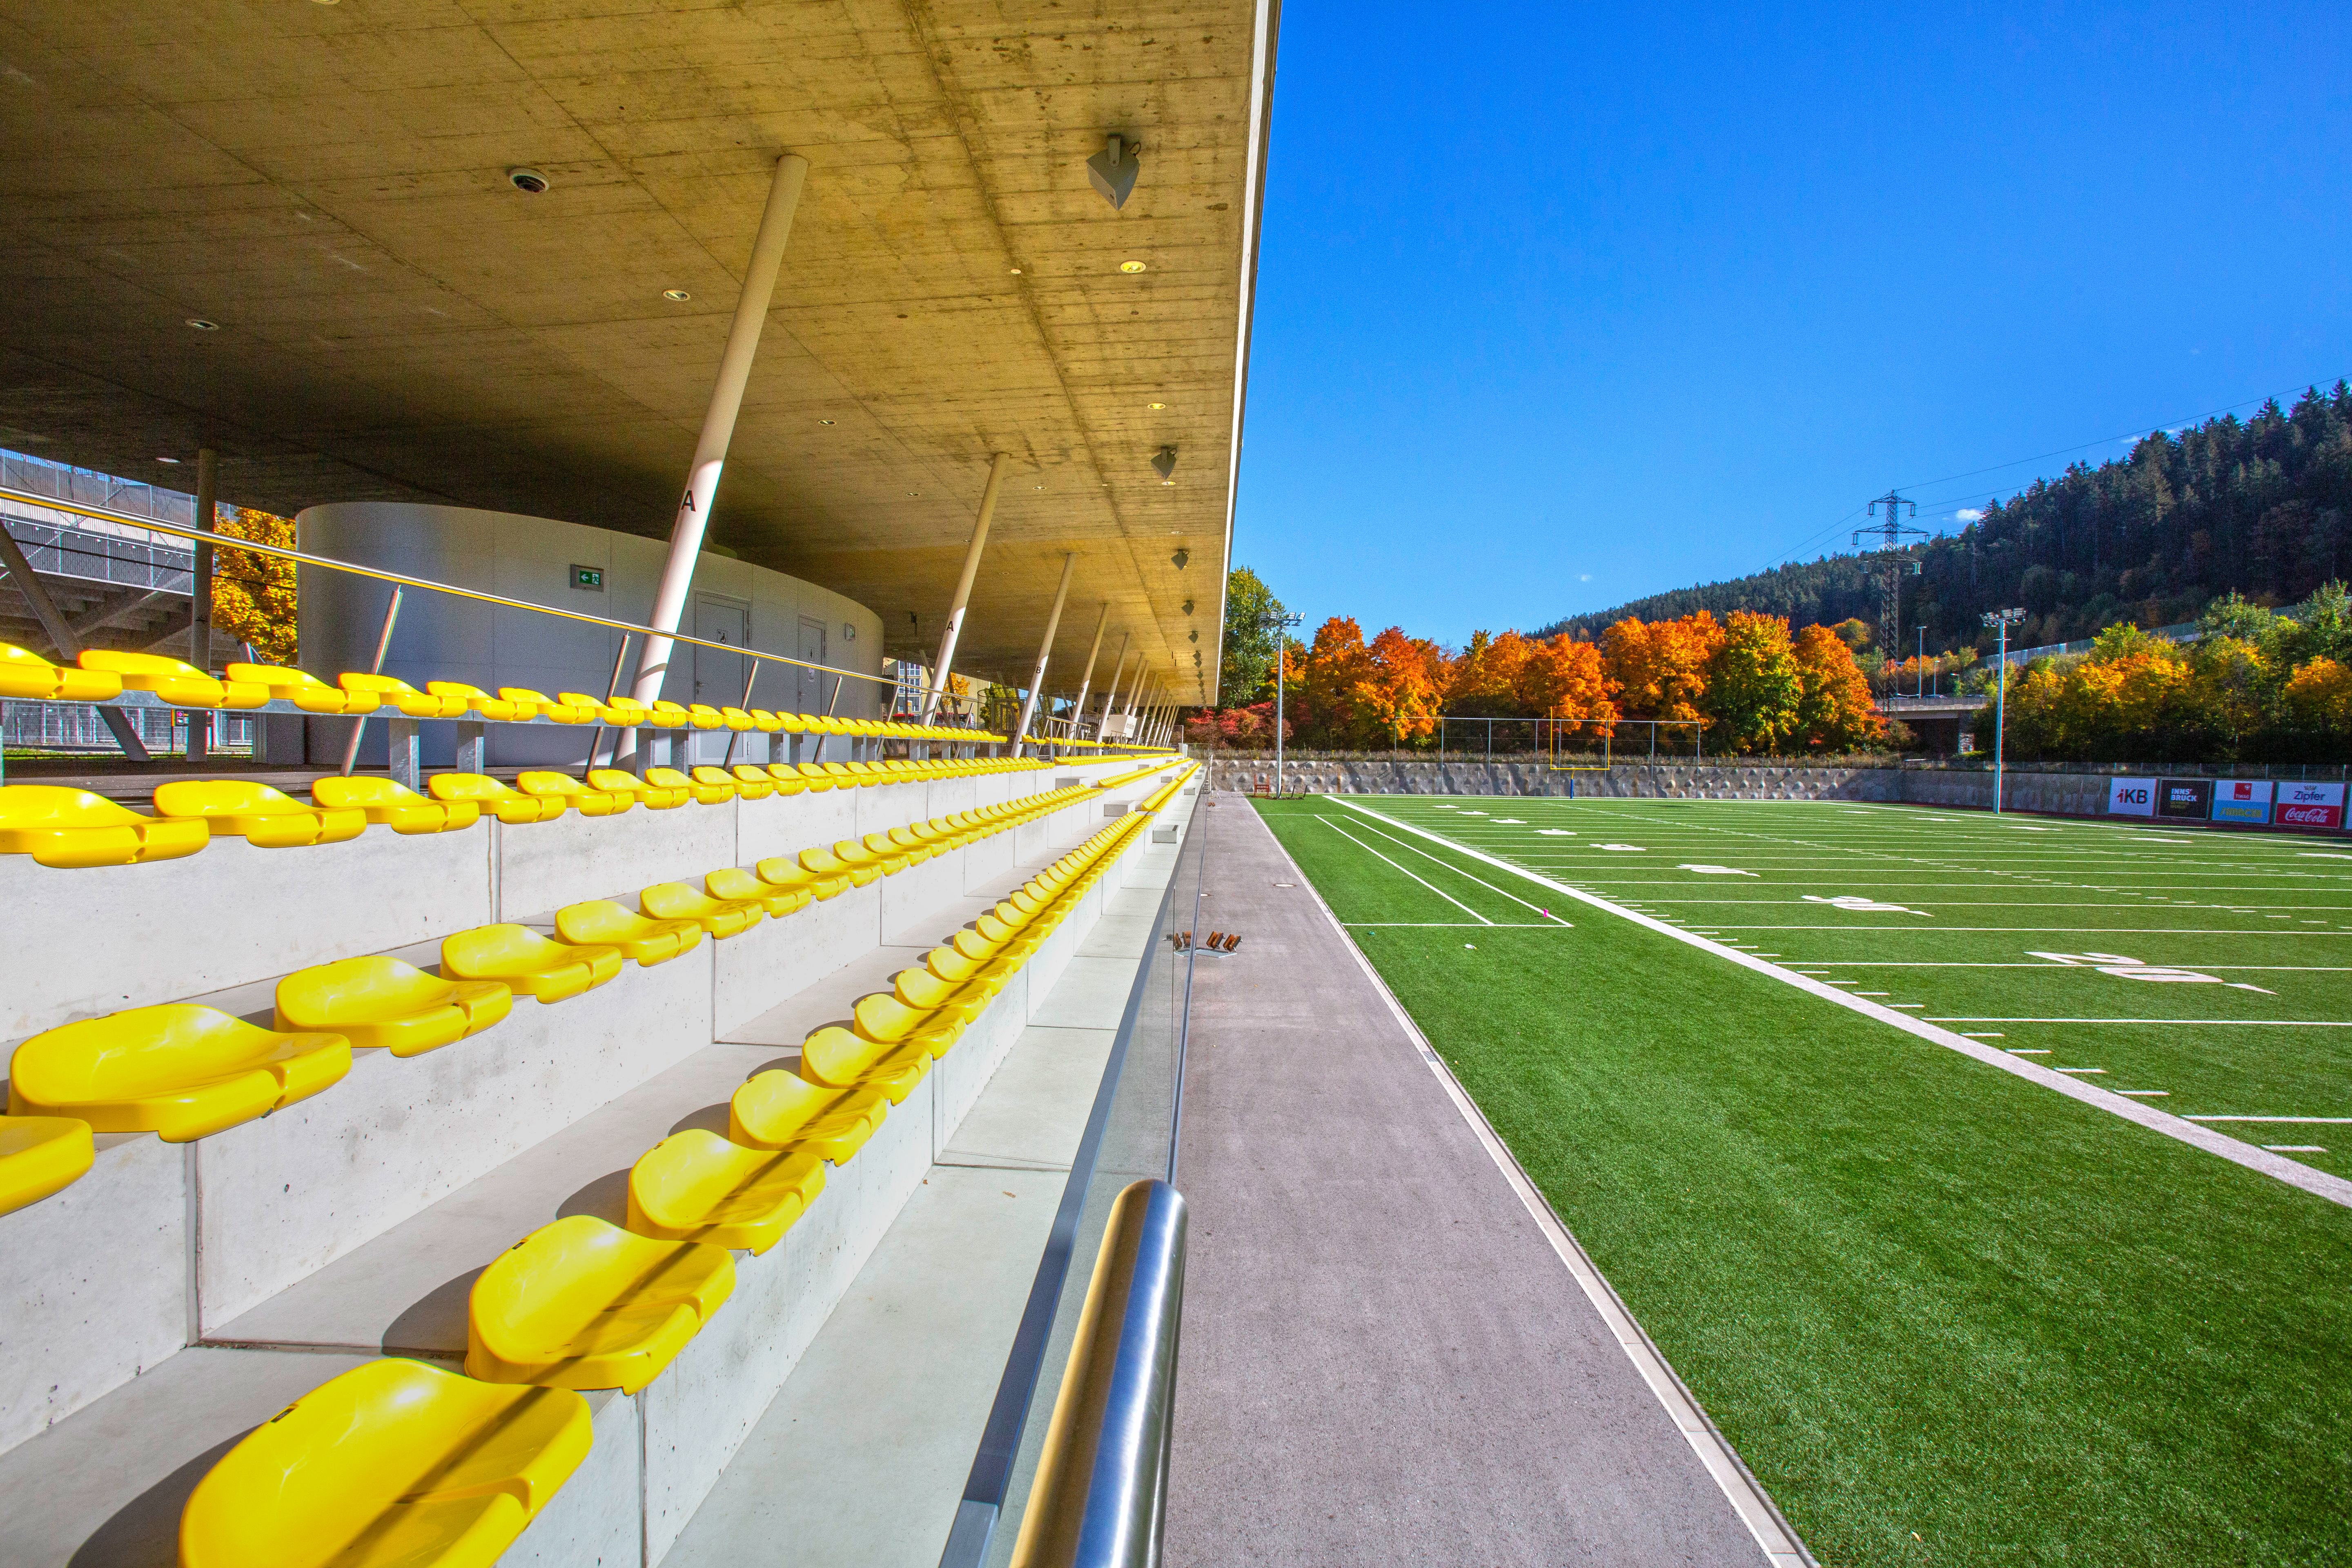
pixel 2309 805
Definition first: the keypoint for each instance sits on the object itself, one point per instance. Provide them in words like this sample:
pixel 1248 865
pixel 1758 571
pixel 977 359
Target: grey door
pixel 815 689
pixel 718 677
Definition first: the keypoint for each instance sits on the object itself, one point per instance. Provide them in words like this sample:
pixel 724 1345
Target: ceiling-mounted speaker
pixel 1112 170
pixel 1163 461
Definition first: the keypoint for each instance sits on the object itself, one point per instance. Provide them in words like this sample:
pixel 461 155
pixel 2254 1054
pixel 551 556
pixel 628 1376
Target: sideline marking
pixel 1385 861
pixel 1749 1500
pixel 2319 1184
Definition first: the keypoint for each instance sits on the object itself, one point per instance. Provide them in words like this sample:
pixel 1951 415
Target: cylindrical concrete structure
pixel 1045 652
pixel 945 664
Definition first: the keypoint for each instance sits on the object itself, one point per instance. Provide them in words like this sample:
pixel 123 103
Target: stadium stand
pixel 326 1159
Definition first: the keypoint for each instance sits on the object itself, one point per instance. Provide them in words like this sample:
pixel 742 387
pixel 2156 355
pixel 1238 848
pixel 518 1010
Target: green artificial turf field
pixel 1946 1314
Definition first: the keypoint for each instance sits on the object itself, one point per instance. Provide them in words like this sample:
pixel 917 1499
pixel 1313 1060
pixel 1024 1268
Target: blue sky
pixel 1559 305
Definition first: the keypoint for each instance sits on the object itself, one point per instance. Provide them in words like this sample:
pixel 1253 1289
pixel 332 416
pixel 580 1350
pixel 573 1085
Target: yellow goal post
pixel 1568 750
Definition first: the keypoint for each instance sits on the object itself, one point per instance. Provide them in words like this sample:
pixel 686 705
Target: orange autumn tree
pixel 253 594
pixel 1660 667
pixel 1334 667
pixel 1399 691
pixel 1834 705
pixel 1566 678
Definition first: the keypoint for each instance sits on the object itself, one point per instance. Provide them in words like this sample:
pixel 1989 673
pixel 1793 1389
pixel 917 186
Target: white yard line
pixel 2335 1189
pixel 1385 861
pixel 2185 1022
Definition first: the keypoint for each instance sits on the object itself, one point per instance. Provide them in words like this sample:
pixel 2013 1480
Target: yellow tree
pixel 1399 688
pixel 253 594
pixel 2319 694
pixel 1561 676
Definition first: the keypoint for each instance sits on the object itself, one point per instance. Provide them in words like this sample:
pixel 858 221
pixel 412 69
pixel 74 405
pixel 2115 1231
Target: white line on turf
pixel 2185 1022
pixel 1376 855
pixel 2335 1189
pixel 1782 1549
pixel 2329 1121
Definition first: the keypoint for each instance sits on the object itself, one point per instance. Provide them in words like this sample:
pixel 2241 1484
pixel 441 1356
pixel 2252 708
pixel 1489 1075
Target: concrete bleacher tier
pixel 172 1295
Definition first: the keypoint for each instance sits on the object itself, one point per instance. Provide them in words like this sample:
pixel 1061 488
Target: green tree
pixel 1754 687
pixel 1247 673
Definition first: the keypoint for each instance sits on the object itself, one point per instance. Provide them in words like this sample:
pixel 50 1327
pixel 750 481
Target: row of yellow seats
pixel 184 1071
pixel 71 828
pixel 100 675
pixel 440 1468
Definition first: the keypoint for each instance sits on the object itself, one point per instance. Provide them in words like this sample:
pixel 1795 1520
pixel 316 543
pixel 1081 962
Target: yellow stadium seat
pixel 853 853
pixel 961 969
pixel 907 842
pixel 924 991
pixel 40 1155
pixel 183 685
pixel 526 963
pixel 783 871
pixel 716 791
pixel 395 806
pixel 703 716
pixel 670 715
pixel 179 1071
pixel 720 917
pixel 476 700
pixel 583 1304
pixel 302 688
pixel 394 1462
pixel 839 1058
pixel 401 695
pixel 825 863
pixel 257 814
pixel 750 783
pixel 784 1111
pixel 600 922
pixel 590 802
pixel 539 704
pixel 651 795
pixel 767 723
pixel 812 778
pixel 730 883
pixel 510 806
pixel 582 701
pixel 885 1018
pixel 27 675
pixel 72 827
pixel 382 1003
pixel 697 1186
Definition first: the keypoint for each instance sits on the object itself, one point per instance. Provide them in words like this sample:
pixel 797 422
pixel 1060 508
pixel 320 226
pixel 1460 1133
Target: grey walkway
pixel 1383 1359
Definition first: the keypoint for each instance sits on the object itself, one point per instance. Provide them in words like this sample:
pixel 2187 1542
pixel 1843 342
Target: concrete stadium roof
pixel 327 180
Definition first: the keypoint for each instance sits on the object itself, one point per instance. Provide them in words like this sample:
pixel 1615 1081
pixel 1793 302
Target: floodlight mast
pixel 2000 620
pixel 1279 625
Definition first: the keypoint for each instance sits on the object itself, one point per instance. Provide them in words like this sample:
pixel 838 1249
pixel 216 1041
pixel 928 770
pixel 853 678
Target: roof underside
pixel 328 182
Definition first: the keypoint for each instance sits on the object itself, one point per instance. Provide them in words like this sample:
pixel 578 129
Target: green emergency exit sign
pixel 589 577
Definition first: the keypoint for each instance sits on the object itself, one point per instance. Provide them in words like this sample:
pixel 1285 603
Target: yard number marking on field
pixel 1862 906
pixel 1715 871
pixel 2320 1183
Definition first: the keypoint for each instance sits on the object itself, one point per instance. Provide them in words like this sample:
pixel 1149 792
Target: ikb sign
pixel 2132 797
pixel 2241 800
pixel 2310 805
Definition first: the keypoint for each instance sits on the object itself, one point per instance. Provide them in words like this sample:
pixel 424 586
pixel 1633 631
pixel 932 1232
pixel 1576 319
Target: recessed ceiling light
pixel 202 325
pixel 175 459
pixel 1159 405
pixel 1130 267
pixel 1016 272
pixel 675 294
pixel 824 421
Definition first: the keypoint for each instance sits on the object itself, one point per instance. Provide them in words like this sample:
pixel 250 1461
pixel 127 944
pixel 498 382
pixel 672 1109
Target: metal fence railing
pixel 77 727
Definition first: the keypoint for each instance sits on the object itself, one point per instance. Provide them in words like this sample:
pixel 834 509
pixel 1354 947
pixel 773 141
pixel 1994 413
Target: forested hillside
pixel 2256 506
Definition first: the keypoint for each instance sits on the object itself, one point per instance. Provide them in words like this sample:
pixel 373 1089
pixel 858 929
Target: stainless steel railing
pixel 1101 1493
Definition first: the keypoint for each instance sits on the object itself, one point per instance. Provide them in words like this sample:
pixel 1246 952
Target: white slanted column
pixel 1045 652
pixel 945 663
pixel 200 596
pixel 717 431
pixel 1118 673
pixel 1078 709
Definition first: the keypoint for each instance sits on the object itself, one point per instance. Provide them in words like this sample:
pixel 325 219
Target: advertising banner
pixel 2184 797
pixel 2132 797
pixel 2310 805
pixel 2241 800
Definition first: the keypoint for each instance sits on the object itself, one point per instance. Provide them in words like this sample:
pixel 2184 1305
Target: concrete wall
pixel 160 1243
pixel 1733 781
pixel 441 638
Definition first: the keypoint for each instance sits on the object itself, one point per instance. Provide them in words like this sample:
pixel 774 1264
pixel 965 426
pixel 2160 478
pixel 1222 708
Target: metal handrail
pixel 228 541
pixel 1100 1500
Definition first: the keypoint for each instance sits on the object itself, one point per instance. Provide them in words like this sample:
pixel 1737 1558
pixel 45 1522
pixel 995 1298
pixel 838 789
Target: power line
pixel 1810 540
